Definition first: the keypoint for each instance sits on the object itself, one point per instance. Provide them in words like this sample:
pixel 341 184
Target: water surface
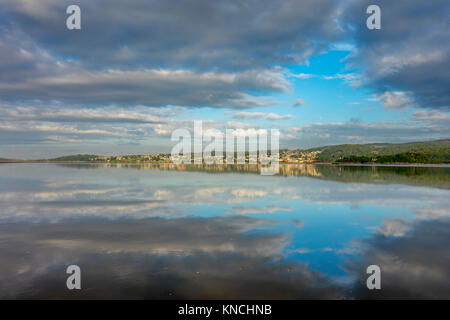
pixel 171 232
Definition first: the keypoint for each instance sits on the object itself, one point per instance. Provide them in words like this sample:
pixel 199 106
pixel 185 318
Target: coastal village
pixel 286 156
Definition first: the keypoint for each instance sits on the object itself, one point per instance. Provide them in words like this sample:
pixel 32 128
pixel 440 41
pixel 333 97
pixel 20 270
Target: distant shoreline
pixel 443 165
pixel 424 153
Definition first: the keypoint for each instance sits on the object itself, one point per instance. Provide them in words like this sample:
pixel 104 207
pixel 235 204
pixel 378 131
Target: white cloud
pixel 394 227
pixel 301 75
pixel 396 100
pixel 259 210
pixel 261 115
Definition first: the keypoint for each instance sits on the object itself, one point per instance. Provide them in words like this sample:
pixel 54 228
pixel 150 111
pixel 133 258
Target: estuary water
pixel 223 232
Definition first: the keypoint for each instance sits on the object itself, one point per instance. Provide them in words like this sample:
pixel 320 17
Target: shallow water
pixel 170 232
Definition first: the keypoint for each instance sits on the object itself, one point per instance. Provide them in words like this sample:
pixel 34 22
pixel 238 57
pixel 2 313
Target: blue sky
pixel 137 70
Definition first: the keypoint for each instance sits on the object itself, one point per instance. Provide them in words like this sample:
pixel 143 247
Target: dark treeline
pixel 404 157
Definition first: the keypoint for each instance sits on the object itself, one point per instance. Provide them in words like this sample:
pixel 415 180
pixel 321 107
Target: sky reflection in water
pixel 165 232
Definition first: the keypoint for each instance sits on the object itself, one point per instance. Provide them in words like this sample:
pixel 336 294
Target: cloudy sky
pixel 139 69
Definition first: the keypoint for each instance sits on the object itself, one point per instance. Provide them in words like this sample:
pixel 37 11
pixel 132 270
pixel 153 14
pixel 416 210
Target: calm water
pixel 166 232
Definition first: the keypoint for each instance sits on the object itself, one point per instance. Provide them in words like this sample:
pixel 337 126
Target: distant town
pixel 288 156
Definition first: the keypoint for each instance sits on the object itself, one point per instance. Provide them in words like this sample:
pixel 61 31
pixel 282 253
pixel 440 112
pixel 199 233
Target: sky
pixel 138 69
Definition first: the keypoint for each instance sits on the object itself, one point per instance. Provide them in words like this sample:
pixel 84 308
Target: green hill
pixel 436 151
pixel 77 157
pixel 4 160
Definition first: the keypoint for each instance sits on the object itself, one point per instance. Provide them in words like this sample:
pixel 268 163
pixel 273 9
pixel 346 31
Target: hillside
pixel 437 151
pixel 4 160
pixel 77 157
